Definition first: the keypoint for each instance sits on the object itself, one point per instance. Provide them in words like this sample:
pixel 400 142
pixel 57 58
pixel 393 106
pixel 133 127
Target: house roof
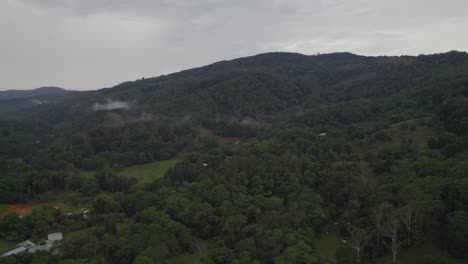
pixel 14 251
pixel 45 247
pixel 26 244
pixel 55 236
pixel 31 247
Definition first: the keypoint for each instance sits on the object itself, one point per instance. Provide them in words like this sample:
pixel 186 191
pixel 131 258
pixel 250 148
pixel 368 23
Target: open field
pixel 6 245
pixel 201 252
pixel 416 133
pixel 407 133
pixel 205 132
pixel 74 199
pixel 23 209
pixel 426 253
pixel 87 173
pixel 145 173
pixel 182 259
pixel 327 246
pixel 148 172
pixel 3 207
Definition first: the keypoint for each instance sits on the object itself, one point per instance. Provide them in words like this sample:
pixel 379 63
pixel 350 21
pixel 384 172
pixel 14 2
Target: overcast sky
pixel 91 44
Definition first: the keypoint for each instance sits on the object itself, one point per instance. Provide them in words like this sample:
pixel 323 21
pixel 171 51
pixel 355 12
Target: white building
pixel 55 236
pixel 28 246
pixel 20 248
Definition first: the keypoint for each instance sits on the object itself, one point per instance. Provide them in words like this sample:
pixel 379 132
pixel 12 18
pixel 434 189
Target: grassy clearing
pixel 414 135
pixel 6 245
pixel 146 173
pixel 3 207
pixel 205 132
pixel 183 259
pixel 89 174
pixel 72 198
pixel 418 137
pixel 422 254
pixel 48 208
pixel 197 255
pixel 327 246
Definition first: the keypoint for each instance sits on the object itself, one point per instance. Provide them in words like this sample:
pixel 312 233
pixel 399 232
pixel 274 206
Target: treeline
pixel 318 150
pixel 268 201
pixel 105 150
pixel 126 145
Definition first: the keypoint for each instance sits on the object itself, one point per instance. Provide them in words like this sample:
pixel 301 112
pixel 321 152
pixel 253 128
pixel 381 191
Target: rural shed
pixel 55 236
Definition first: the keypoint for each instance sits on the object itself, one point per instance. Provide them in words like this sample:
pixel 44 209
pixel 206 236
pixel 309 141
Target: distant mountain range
pixel 12 101
pixel 268 150
pixel 17 94
pixel 272 85
pixel 279 86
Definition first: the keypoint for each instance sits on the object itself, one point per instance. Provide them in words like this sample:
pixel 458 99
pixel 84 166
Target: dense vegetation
pixel 276 152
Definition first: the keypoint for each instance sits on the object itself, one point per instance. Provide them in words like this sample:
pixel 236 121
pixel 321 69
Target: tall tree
pixel 407 215
pixel 358 239
pixel 391 228
pixel 378 215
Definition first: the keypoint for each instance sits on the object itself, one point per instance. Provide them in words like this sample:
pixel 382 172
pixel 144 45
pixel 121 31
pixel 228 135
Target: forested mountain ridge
pixel 267 85
pixel 15 94
pixel 279 158
pixel 14 101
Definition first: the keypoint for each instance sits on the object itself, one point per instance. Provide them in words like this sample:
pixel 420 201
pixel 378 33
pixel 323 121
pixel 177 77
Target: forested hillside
pixel 12 101
pixel 275 158
pixel 16 94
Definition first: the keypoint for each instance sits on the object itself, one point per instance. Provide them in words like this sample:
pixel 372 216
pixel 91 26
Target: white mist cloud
pixel 110 105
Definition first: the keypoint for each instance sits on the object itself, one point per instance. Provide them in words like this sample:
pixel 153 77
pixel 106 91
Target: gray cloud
pixel 89 44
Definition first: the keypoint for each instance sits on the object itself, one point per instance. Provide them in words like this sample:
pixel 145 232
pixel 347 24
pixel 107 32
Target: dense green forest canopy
pixel 274 153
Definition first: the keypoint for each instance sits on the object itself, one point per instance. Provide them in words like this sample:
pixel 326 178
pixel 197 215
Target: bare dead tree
pixel 358 239
pixel 378 218
pixel 390 230
pixel 360 184
pixel 408 218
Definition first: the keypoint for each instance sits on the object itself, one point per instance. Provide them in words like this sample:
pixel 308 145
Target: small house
pixel 14 251
pixel 28 246
pixel 55 236
pixel 20 248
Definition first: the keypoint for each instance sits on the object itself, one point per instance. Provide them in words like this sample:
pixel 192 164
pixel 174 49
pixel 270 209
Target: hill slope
pixel 14 101
pixel 15 94
pixel 267 85
pixel 275 158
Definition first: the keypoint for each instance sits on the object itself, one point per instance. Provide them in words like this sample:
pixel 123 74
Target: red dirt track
pixel 23 209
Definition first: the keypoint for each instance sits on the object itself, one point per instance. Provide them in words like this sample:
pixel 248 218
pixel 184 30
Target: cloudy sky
pixel 91 44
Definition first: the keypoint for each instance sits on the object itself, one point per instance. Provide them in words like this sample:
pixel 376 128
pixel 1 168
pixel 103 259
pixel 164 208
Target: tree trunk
pixel 358 256
pixel 378 238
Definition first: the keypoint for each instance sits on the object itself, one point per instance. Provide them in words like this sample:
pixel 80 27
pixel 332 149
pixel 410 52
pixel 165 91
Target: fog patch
pixel 116 118
pixel 145 117
pixel 111 105
pixel 38 102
